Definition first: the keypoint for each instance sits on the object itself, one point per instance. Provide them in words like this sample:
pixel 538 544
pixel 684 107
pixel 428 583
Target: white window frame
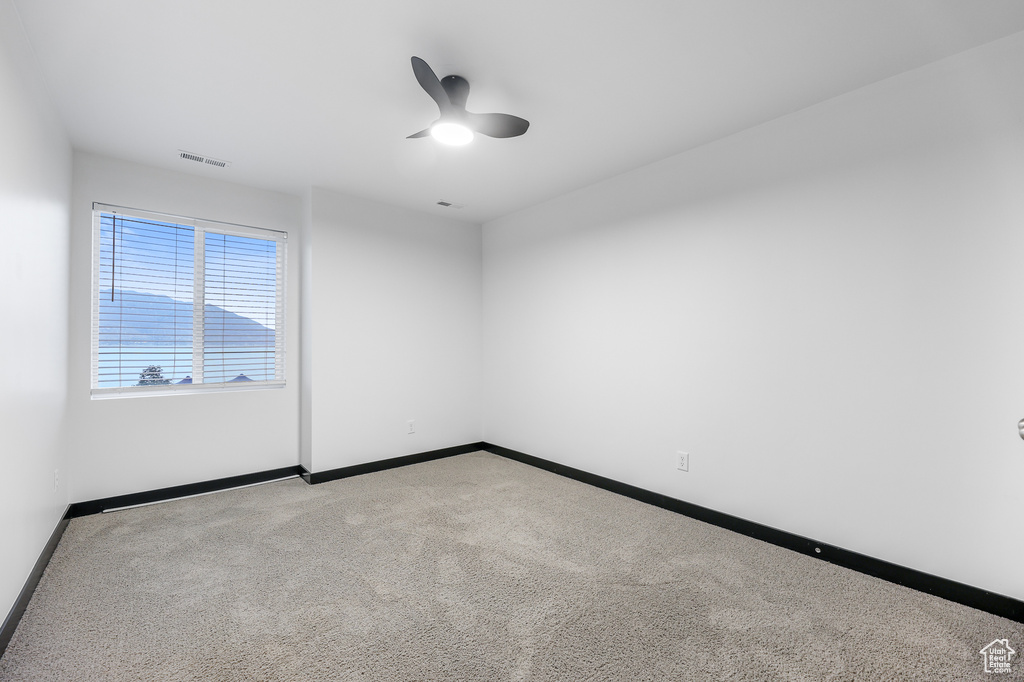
pixel 200 227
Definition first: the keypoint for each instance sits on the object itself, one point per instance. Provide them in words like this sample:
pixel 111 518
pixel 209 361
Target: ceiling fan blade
pixel 497 125
pixel 457 88
pixel 429 82
pixel 422 133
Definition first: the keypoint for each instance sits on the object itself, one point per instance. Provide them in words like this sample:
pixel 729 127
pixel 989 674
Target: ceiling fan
pixel 456 125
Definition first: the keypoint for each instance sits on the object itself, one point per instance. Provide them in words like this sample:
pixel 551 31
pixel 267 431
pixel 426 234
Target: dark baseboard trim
pixel 163 494
pixel 18 610
pixel 380 465
pixel 975 597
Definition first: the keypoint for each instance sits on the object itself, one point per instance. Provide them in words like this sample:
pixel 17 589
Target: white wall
pixel 135 444
pixel 35 186
pixel 393 331
pixel 824 311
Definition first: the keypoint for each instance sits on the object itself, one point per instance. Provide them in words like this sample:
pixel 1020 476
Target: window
pixel 181 304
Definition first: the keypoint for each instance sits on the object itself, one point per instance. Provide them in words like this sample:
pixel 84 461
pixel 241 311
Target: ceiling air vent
pixel 199 158
pixel 448 204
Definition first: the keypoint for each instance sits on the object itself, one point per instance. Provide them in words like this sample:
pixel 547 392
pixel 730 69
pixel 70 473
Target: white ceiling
pixel 321 93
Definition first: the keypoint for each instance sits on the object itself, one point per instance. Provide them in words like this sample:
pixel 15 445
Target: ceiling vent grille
pixel 199 158
pixel 448 204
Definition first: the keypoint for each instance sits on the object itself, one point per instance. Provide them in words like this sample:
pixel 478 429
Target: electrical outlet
pixel 682 460
pixel 56 479
pixel 412 426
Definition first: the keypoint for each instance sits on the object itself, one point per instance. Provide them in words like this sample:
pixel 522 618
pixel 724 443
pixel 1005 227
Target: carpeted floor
pixel 468 568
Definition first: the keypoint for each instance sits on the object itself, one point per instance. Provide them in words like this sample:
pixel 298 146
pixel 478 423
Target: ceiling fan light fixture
pixel 454 134
pixel 450 96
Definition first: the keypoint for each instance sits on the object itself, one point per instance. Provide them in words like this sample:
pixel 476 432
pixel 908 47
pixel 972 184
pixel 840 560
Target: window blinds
pixel 184 304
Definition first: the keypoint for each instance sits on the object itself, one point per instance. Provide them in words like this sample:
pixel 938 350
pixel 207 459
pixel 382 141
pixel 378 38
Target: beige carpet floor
pixel 468 568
